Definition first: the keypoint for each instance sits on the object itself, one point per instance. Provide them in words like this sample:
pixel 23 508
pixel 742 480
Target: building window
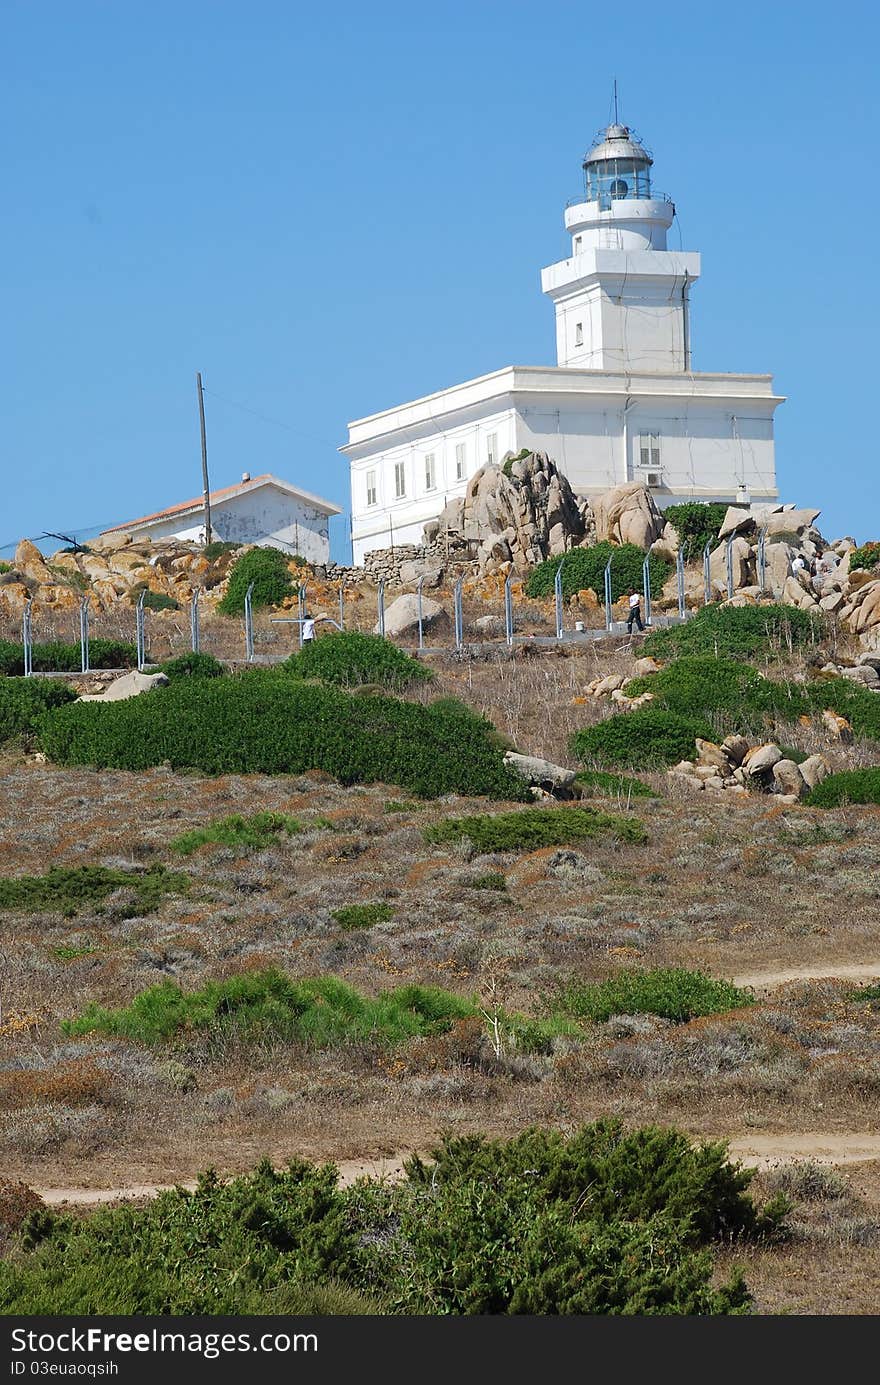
pixel 372 494
pixel 399 479
pixel 492 448
pixel 430 472
pixel 649 450
pixel 578 241
pixel 578 334
pixel 460 460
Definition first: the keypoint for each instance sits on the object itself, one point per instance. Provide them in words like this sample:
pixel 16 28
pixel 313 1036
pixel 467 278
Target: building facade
pixel 261 509
pixel 622 404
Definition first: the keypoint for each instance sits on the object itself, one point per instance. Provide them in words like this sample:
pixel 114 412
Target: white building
pixel 259 509
pixel 622 403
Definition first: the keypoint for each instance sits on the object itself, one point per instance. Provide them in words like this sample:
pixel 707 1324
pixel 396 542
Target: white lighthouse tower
pixel 622 298
pixel 623 403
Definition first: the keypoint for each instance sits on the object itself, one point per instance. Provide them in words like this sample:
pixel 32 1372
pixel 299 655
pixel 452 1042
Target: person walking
pixel 308 629
pixel 635 612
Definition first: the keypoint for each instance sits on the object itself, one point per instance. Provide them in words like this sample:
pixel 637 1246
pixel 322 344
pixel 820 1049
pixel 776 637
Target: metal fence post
pixel 419 605
pixel 84 633
pixel 194 629
pixel 249 623
pixel 557 595
pixel 762 558
pixel 380 602
pixel 707 573
pixel 730 587
pixel 27 639
pixel 508 611
pixel 679 572
pixel 609 615
pixel 140 627
pixel 646 588
pixel 459 620
pixel 342 605
pixel 301 597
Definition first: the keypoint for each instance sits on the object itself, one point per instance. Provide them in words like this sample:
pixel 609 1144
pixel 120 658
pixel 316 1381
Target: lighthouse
pixel 622 298
pixel 622 405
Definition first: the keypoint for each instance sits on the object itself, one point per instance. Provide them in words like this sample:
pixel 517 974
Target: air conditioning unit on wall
pixel 653 478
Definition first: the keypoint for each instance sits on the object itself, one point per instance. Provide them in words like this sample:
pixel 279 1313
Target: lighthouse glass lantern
pixel 617 167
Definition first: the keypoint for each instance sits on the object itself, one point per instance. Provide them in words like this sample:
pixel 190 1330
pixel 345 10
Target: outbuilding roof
pixel 185 507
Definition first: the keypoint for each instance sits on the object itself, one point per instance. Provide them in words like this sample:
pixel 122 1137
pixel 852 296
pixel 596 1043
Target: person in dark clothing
pixel 635 612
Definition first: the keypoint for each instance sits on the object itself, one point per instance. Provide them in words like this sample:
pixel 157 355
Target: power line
pixel 277 422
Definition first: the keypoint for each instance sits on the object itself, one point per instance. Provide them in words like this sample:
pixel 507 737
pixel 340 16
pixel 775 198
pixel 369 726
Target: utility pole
pixel 201 394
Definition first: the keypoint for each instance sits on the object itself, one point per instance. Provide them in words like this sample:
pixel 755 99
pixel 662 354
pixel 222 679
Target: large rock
pixel 761 759
pixel 867 612
pixel 791 521
pixel 110 543
pixel 522 512
pixel 735 521
pixel 30 562
pixel 741 560
pixel 814 769
pixel 129 685
pixel 777 558
pixel 430 574
pixel 541 774
pixel 402 616
pixel 787 778
pixel 627 514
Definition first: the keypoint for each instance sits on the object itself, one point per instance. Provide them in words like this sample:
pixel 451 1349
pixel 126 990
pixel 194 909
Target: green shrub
pixel 24 700
pixel 585 567
pixel 702 687
pixel 270 1005
pixel 401 805
pixel 850 786
pixel 240 833
pixel 849 699
pixel 349 659
pixel 71 889
pixel 58 657
pixel 604 1221
pixel 264 722
pixel 696 524
pixel 507 465
pixel 531 828
pixel 672 993
pixel 867 556
pixel 648 738
pixel 4 568
pixel 352 916
pixel 601 782
pixel 159 601
pixel 736 632
pixel 267 569
pixel 193 665
pixel 217 548
pixel 493 881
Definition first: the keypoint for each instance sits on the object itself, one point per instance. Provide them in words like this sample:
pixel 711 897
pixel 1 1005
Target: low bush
pixel 672 993
pixel 193 665
pixel 493 881
pixel 270 1005
pixel 71 889
pixel 601 1222
pixel 217 548
pixel 268 569
pixel 865 557
pixel 24 700
pixel 153 601
pixel 352 916
pixel 601 782
pixel 736 632
pixel 849 786
pixel 696 524
pixel 348 659
pixel 237 832
pixel 585 567
pixel 266 722
pixel 57 657
pixel 531 828
pixel 647 738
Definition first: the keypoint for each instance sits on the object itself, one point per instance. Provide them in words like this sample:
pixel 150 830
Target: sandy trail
pixel 838 971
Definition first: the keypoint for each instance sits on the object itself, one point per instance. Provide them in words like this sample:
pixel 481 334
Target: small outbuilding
pixel 260 509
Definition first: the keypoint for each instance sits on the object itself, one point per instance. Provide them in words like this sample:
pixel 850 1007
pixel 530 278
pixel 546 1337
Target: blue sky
pixel 331 209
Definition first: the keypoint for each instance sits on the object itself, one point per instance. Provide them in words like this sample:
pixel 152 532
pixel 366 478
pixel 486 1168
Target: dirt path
pixel 838 971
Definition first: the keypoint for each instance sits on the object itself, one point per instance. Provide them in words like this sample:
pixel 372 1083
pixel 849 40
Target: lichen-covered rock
pixel 628 514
